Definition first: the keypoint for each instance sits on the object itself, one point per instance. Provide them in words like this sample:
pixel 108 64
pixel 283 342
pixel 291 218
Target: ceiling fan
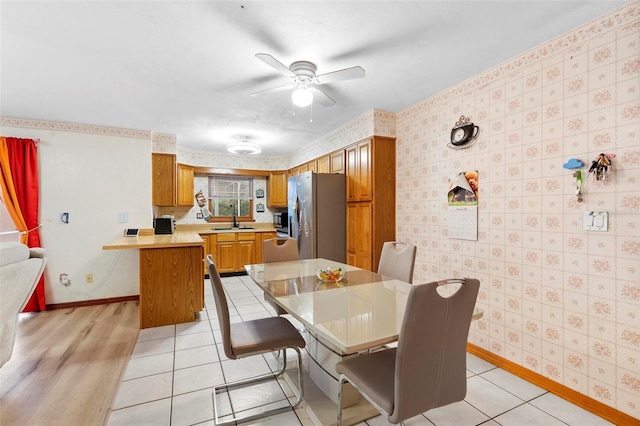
pixel 305 82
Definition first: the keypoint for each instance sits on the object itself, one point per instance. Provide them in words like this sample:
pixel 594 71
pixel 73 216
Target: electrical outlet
pixel 88 278
pixel 65 280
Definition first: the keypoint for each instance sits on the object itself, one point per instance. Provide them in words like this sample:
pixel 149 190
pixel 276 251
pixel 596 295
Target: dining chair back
pixel 397 260
pixel 428 367
pixel 249 338
pixel 279 250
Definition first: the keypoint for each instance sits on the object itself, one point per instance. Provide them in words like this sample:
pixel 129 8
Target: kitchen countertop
pixel 208 228
pixel 184 236
pixel 177 239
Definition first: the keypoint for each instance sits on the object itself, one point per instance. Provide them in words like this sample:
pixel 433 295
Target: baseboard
pixel 92 302
pixel 594 406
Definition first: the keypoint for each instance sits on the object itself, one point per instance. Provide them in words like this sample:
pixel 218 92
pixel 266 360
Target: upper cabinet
pixel 185 185
pixel 163 179
pixel 277 189
pixel 337 162
pixel 359 185
pixel 329 163
pixel 312 166
pixel 323 164
pixel 171 183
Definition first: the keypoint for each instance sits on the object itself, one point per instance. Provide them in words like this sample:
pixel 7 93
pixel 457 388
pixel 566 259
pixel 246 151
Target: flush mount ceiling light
pixel 244 146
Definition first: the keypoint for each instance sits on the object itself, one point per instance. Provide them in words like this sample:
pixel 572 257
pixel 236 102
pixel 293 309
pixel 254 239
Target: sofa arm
pixel 37 252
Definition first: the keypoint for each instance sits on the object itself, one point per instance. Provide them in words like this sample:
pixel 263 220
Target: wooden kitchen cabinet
pixel 233 250
pixel 246 249
pixel 210 242
pixel 163 179
pixel 323 164
pixel 371 203
pixel 171 285
pixel 359 185
pixel 205 252
pixel 185 195
pixel 226 253
pixel 277 189
pixel 359 242
pixel 337 162
pixel 312 166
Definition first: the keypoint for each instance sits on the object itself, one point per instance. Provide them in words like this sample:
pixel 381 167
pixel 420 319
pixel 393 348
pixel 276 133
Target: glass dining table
pixel 360 313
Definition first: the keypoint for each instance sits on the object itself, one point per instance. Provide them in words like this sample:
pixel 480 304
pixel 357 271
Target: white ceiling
pixel 188 67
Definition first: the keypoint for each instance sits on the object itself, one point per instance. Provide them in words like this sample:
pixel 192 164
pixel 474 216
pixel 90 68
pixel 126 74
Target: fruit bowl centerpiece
pixel 330 275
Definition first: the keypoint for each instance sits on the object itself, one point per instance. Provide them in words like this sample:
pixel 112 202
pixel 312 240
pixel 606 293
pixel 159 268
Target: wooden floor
pixel 67 364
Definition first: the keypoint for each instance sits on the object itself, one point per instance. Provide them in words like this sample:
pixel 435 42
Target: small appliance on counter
pixel 164 225
pixel 281 223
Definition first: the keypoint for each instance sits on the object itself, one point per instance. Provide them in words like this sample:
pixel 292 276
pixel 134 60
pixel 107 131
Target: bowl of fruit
pixel 330 274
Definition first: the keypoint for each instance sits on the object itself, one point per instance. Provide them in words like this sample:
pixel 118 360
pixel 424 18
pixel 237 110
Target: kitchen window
pixel 229 195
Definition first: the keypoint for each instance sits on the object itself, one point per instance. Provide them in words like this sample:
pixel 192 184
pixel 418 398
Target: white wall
pixel 94 177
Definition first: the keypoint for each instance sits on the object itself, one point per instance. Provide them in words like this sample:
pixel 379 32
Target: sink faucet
pixel 235 223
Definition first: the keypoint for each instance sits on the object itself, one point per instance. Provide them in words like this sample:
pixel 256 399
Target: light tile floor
pixel 170 376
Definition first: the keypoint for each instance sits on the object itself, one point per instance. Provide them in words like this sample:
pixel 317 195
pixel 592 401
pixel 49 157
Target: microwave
pixel 281 220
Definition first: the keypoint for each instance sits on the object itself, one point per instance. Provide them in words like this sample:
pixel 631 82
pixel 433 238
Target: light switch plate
pixel 595 221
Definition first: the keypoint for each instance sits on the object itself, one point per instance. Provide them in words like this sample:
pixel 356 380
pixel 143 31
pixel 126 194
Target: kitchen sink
pixel 232 229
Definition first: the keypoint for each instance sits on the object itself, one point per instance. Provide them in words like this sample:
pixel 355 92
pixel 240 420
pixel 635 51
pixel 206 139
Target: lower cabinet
pixel 226 253
pixel 359 235
pixel 207 250
pixel 232 250
pixel 246 250
pixel 171 286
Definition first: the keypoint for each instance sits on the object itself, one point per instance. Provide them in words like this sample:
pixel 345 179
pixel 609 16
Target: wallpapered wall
pixel 558 300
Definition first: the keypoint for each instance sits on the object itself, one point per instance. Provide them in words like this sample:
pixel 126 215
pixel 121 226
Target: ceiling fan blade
pixel 345 74
pixel 275 64
pixel 273 89
pixel 323 99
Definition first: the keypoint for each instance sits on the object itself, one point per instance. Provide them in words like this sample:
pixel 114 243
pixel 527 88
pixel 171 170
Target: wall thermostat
pixel 131 232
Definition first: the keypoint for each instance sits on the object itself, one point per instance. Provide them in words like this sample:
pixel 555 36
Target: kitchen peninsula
pixel 171 280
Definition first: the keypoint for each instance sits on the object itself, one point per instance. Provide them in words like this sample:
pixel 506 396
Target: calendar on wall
pixel 462 212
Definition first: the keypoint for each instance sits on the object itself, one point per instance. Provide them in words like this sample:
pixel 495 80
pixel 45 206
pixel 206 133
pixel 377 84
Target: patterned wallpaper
pixel 558 300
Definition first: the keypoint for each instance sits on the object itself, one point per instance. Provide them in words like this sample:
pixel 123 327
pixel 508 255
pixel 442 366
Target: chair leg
pixel 258 379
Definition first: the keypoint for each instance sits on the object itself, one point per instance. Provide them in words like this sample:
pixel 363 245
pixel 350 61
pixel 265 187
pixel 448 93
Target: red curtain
pixel 23 161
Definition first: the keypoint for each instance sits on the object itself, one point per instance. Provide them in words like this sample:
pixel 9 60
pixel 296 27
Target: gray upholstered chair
pixel 428 368
pixel 255 337
pixel 279 250
pixel 397 260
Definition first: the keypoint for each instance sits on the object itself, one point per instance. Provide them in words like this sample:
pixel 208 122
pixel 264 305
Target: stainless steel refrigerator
pixel 318 215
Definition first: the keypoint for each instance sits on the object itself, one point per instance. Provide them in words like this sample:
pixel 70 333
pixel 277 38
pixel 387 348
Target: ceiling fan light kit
pixel 244 147
pixel 302 97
